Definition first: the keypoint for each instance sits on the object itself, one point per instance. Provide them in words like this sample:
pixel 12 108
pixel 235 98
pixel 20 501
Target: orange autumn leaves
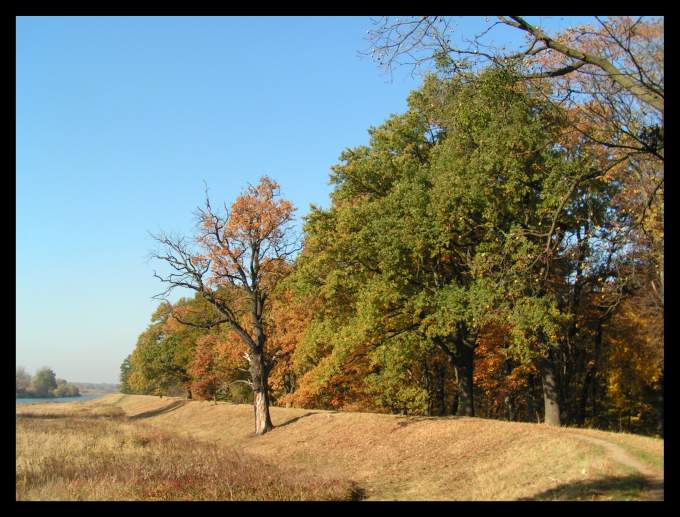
pixel 246 250
pixel 258 214
pixel 246 245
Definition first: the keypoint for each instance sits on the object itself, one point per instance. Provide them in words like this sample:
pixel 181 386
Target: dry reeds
pixel 102 455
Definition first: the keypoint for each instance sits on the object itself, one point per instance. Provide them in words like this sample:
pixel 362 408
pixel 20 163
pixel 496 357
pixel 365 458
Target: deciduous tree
pixel 44 381
pixel 238 260
pixel 23 381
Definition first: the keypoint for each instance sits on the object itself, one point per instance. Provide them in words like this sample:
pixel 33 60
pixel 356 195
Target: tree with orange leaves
pixel 240 259
pixel 287 321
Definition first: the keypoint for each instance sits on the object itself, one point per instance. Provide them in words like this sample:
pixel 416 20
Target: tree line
pixel 43 384
pixel 494 251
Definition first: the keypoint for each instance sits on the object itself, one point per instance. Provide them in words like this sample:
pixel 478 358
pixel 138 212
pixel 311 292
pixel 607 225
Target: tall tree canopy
pixel 607 77
pixel 467 213
pixel 396 259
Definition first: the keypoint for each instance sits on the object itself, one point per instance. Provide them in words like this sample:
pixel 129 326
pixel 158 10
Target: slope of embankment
pixel 435 458
pixel 422 458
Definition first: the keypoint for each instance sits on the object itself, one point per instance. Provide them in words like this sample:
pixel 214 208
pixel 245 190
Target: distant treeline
pixel 44 384
pixel 96 387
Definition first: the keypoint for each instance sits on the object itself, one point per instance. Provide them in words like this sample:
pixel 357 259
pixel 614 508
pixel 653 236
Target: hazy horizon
pixel 31 372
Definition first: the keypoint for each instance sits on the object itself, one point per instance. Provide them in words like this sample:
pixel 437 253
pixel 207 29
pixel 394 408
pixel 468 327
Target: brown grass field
pixel 134 447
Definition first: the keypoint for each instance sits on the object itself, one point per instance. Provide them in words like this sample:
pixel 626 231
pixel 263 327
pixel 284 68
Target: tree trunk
pixel 263 422
pixel 590 380
pixel 427 382
pixel 454 404
pixel 259 377
pixel 510 407
pixel 583 401
pixel 189 395
pixel 660 406
pixel 464 357
pixel 532 411
pixel 441 396
pixel 509 400
pixel 550 392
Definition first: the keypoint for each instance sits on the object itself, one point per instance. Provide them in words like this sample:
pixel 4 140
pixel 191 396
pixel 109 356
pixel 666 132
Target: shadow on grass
pixel 408 420
pixel 357 493
pixel 293 420
pixel 160 411
pixel 619 488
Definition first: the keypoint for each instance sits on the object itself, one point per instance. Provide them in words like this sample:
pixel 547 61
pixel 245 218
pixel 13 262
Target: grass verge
pixel 97 453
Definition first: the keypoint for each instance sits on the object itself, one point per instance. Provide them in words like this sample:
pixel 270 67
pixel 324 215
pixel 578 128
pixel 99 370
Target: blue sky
pixel 119 122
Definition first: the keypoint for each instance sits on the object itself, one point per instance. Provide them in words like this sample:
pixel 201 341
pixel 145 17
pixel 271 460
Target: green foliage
pixel 44 382
pixel 164 350
pixel 23 382
pixel 420 217
pixel 64 389
pixel 395 381
pixel 474 221
pixel 125 370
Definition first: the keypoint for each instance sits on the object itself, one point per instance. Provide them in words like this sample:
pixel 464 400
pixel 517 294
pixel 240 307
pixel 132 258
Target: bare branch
pixel 635 87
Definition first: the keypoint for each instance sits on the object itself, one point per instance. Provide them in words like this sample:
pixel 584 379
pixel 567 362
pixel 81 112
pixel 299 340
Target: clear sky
pixel 119 122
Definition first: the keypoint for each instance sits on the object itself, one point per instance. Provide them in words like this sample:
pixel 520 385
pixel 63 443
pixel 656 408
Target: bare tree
pixel 234 263
pixel 614 51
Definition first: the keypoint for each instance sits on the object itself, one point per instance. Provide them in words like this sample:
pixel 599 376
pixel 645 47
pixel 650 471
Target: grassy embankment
pixel 151 448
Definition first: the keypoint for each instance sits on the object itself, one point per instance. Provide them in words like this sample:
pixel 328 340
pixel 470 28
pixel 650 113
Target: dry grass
pixel 407 458
pixel 647 449
pixel 99 454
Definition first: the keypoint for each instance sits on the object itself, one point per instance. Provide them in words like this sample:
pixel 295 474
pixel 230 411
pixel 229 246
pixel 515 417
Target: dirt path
pixel 654 476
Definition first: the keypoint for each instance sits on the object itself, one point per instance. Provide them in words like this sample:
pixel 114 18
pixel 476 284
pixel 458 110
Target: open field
pixel 178 449
pixel 81 454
